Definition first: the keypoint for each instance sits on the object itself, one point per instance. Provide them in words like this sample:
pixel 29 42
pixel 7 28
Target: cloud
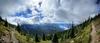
pixel 71 10
pixel 53 11
pixel 8 7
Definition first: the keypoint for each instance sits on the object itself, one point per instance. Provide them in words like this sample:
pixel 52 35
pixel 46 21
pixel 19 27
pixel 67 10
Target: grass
pixel 83 36
pixel 21 38
pixel 48 41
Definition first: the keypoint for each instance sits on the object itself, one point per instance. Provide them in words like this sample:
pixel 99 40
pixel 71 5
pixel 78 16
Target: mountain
pixel 44 28
pixel 86 32
pixel 10 34
pixel 23 33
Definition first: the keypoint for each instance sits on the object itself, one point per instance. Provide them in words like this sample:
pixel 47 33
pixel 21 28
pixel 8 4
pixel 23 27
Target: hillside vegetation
pixel 15 34
pixel 9 34
pixel 86 32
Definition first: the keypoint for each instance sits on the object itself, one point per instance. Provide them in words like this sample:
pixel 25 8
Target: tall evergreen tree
pixel 1 18
pixel 37 38
pixel 43 38
pixel 50 37
pixel 55 39
pixel 6 23
pixel 72 31
pixel 68 33
pixel 18 28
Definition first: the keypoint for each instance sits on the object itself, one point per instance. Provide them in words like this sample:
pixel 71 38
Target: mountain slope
pixel 9 34
pixel 87 32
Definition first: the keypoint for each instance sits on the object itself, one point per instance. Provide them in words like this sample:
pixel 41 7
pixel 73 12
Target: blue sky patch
pixel 26 14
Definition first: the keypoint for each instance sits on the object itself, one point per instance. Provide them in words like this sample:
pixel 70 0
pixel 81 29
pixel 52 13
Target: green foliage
pixel 72 32
pixel 55 39
pixel 1 18
pixel 6 27
pixel 37 38
pixel 44 37
pixel 6 23
pixel 50 37
pixel 18 28
pixel 77 34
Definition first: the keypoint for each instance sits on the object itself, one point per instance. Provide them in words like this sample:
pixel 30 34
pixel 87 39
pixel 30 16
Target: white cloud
pixel 53 10
pixel 71 10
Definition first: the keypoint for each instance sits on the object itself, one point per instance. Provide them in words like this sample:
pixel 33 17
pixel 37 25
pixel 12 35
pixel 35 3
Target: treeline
pixel 78 31
pixel 81 31
pixel 36 37
pixel 6 24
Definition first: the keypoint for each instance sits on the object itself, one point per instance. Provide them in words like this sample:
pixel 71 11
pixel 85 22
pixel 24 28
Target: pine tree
pixel 72 31
pixel 44 37
pixel 1 18
pixel 55 39
pixel 6 23
pixel 66 36
pixel 50 37
pixel 36 38
pixel 18 28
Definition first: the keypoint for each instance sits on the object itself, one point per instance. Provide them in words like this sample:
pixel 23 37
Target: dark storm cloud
pixel 98 2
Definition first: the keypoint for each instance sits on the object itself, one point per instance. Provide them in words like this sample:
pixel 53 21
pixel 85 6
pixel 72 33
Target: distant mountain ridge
pixel 45 28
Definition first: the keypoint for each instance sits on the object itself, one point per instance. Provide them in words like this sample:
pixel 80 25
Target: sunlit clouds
pixel 47 11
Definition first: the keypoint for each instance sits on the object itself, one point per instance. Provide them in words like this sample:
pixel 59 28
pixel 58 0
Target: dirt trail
pixel 8 37
pixel 93 34
pixel 13 38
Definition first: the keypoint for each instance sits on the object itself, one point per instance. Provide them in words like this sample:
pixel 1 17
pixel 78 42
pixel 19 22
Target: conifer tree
pixel 1 18
pixel 68 33
pixel 50 37
pixel 18 28
pixel 6 23
pixel 44 38
pixel 37 38
pixel 72 31
pixel 66 36
pixel 55 39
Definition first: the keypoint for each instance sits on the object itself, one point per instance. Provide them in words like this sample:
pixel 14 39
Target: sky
pixel 48 11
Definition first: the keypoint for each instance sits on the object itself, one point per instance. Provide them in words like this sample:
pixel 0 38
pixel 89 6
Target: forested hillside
pixel 12 34
pixel 15 34
pixel 86 32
